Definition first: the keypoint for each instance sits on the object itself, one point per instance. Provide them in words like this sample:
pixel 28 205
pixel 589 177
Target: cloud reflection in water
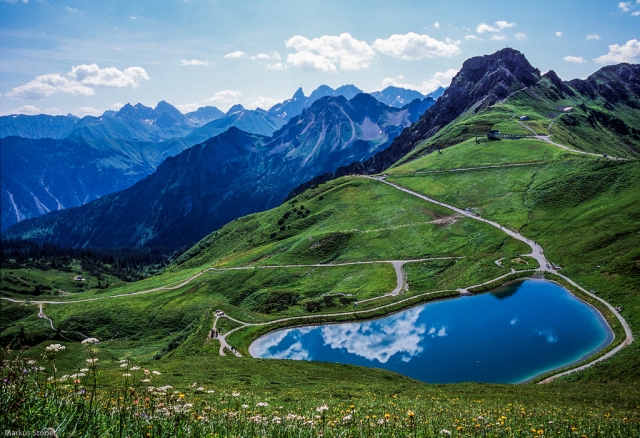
pixel 380 340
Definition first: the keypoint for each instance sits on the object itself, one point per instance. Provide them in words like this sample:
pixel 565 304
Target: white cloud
pixel 503 24
pixel 310 61
pixel 188 62
pixel 577 59
pixel 412 47
pixel 624 6
pixel 521 36
pixel 15 1
pixel 484 27
pixel 436 25
pixel 108 77
pixel 70 9
pixel 134 18
pixel 116 106
pixel 470 37
pixel 593 36
pixel 89 111
pixel 224 96
pixel 275 66
pixel 236 54
pixel 272 55
pixel 52 111
pixel 188 107
pixel 558 34
pixel 635 14
pixel 25 109
pixel 629 52
pixel 437 80
pixel 46 85
pixel 498 37
pixel 262 102
pixel 350 53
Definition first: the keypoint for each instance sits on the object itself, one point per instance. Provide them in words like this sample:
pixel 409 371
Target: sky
pixel 86 57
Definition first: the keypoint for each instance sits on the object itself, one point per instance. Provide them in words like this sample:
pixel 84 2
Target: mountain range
pixel 228 176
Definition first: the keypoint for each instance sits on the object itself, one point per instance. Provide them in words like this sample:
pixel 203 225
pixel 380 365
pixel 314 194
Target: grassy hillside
pixel 583 210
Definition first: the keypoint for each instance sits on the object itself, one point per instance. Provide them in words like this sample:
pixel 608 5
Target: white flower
pixel 135 368
pixel 211 391
pixel 92 361
pixel 199 389
pixel 145 381
pixel 262 404
pixel 245 406
pixel 347 418
pixel 123 365
pixel 126 375
pixel 235 394
pixel 445 432
pixel 322 408
pixel 90 341
pixel 157 373
pixel 55 348
pixel 63 378
pixel 123 361
pixel 31 362
pixel 84 370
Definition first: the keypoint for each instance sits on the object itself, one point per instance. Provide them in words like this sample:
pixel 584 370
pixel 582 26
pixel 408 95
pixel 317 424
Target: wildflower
pixel 262 404
pixel 235 394
pixel 347 418
pixel 387 416
pixel 123 361
pixel 123 365
pixel 181 396
pixel 84 370
pixel 322 408
pixel 211 391
pixel 54 348
pixel 245 406
pixel 31 362
pixel 63 378
pixel 145 381
pixel 90 341
pixel 157 373
pixel 126 375
pixel 92 361
pixel 76 382
pixel 199 389
pixel 135 368
pixel 410 414
pixel 146 372
pixel 445 432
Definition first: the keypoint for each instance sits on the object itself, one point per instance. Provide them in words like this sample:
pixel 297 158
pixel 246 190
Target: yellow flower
pixel 387 416
pixel 410 414
pixel 181 396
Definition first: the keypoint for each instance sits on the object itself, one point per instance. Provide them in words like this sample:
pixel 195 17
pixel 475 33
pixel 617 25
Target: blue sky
pixel 85 57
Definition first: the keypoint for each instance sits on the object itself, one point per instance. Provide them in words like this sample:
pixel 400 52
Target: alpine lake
pixel 509 335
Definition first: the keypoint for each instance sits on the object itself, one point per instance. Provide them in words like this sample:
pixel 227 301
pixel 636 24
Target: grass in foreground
pixel 137 402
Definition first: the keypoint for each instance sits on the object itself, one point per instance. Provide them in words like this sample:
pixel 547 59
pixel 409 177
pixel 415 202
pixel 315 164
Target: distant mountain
pixel 43 175
pixel 226 177
pixel 204 115
pixel 131 122
pixel 40 126
pixel 294 106
pixel 396 96
pixel 252 121
pixel 437 93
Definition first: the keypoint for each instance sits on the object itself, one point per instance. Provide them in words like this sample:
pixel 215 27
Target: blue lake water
pixel 509 335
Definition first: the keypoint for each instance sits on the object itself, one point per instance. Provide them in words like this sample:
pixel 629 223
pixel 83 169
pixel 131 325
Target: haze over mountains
pixel 94 156
pixel 228 176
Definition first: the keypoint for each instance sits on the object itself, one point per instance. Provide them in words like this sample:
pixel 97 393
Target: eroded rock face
pixel 614 83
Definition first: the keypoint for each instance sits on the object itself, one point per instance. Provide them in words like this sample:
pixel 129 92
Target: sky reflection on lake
pixel 507 336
